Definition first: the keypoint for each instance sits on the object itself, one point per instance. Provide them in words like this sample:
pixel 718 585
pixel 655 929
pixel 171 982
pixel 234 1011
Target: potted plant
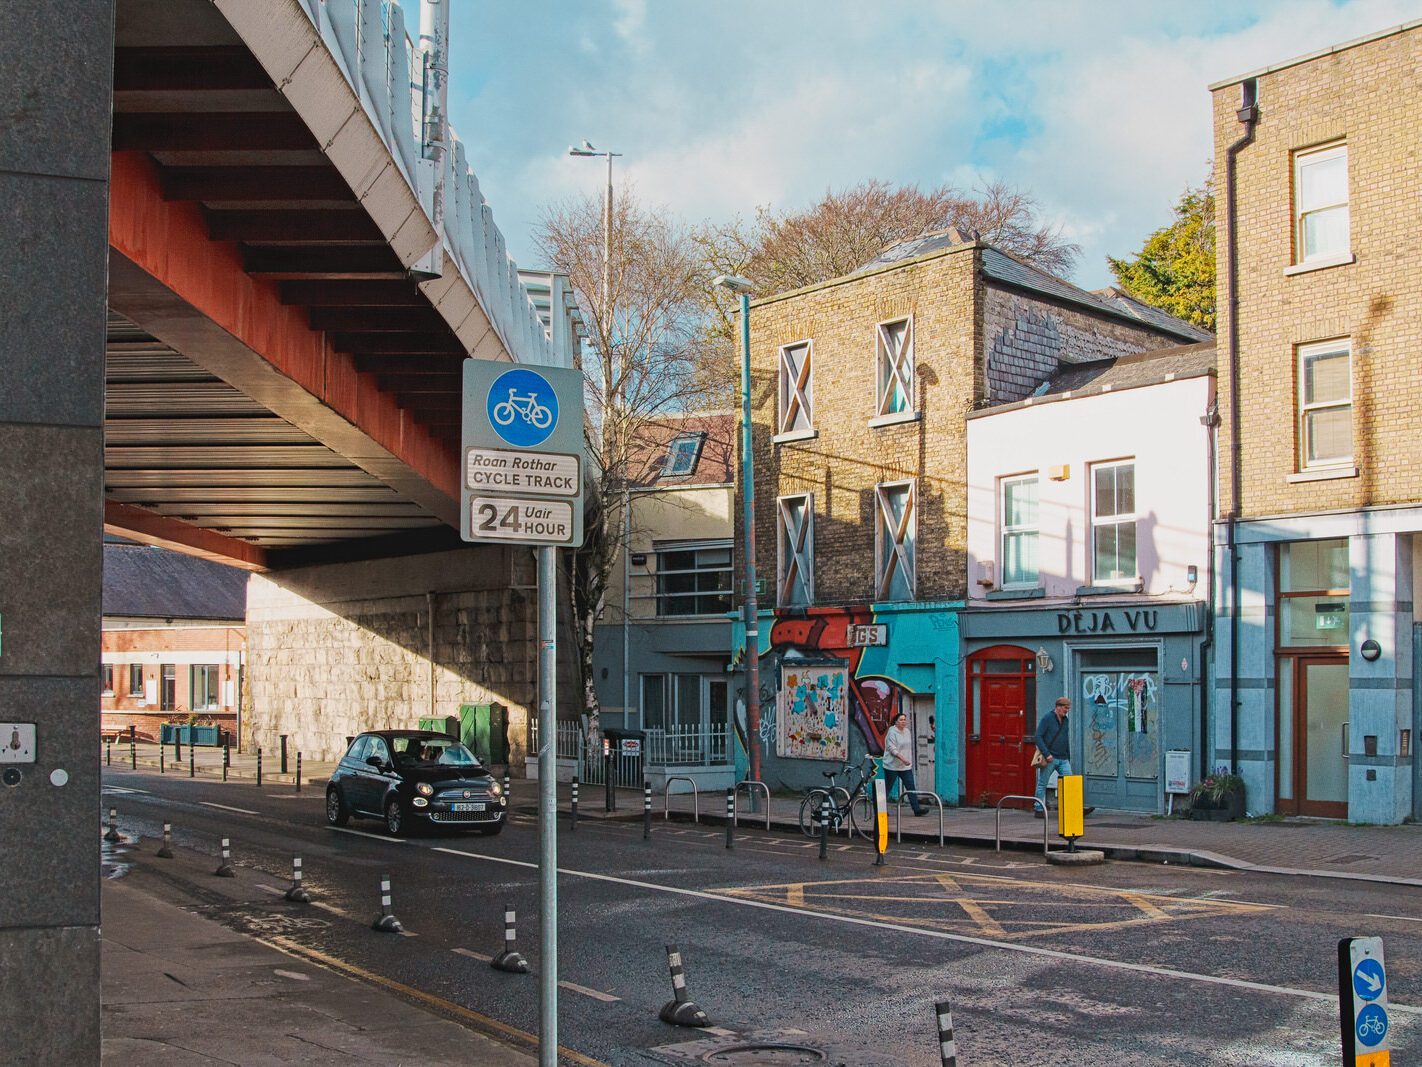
pixel 1218 797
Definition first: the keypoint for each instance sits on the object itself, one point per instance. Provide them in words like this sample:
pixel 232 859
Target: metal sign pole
pixel 547 808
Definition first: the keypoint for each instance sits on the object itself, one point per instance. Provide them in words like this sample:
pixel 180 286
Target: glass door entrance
pixel 1313 736
pixel 1118 707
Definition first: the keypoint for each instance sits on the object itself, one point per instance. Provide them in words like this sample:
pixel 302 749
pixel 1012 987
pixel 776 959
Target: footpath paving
pixel 180 988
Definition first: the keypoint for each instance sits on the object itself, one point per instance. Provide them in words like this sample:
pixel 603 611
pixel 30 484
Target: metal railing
pixel 695 797
pixel 899 812
pixel 997 819
pixel 688 745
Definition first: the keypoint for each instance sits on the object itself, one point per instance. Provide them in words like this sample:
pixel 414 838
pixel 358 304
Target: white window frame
pixel 894 365
pixel 900 555
pixel 1005 529
pixel 796 389
pixel 1338 346
pixel 1302 159
pixel 795 549
pixel 1115 519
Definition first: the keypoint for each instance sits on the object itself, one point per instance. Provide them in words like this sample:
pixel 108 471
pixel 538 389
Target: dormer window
pixel 683 454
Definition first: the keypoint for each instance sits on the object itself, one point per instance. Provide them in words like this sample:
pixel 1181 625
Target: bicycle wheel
pixel 810 811
pixel 540 416
pixel 503 413
pixel 861 816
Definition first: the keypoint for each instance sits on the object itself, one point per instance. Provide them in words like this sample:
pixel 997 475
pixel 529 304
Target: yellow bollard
pixel 1071 821
pixel 881 817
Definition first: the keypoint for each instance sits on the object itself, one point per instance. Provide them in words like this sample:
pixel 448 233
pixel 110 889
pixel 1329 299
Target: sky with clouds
pixel 1098 108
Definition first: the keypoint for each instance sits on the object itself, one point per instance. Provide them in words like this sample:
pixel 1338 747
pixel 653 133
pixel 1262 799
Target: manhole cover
pixel 767 1053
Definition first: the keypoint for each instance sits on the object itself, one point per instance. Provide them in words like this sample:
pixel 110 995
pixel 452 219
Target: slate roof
pixel 1133 371
pixel 1009 270
pixel 716 464
pixel 147 582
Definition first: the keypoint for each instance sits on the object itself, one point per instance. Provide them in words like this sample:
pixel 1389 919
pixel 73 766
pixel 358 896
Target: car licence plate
pixel 468 807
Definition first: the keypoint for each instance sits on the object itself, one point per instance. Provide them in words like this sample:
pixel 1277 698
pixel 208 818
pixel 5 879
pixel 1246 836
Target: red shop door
pixel 1001 714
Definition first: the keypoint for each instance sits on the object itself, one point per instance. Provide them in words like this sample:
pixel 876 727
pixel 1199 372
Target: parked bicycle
pixel 849 804
pixel 527 406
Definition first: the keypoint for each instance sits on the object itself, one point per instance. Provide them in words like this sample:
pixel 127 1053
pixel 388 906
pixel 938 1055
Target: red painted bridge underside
pixel 169 240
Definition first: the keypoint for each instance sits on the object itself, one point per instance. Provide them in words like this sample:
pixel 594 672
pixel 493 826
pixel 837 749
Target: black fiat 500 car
pixel 414 779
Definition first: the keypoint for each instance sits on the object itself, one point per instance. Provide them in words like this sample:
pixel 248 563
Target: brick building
pixel 860 386
pixel 1321 459
pixel 174 635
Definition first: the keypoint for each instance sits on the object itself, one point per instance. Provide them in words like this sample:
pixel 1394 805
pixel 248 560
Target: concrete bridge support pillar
pixel 56 90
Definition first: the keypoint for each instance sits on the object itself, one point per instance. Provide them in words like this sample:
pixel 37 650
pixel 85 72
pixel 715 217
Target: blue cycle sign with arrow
pixel 1362 1002
pixel 522 407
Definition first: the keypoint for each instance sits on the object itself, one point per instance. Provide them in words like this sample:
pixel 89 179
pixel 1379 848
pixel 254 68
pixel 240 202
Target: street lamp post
pixel 586 149
pixel 743 288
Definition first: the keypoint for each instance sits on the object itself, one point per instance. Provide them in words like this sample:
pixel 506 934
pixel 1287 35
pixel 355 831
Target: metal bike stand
pixel 748 785
pixel 899 812
pixel 997 819
pixel 695 797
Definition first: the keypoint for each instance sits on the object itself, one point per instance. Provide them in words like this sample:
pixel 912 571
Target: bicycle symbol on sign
pixel 526 406
pixel 1372 1025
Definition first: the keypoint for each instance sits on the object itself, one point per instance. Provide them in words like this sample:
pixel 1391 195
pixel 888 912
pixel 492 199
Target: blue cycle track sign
pixel 522 407
pixel 1362 1002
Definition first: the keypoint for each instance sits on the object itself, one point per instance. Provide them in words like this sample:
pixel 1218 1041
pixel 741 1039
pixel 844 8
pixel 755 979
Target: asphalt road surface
pixel 1125 963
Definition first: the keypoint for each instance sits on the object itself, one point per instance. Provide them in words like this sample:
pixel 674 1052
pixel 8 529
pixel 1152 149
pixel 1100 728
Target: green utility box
pixel 484 729
pixel 443 724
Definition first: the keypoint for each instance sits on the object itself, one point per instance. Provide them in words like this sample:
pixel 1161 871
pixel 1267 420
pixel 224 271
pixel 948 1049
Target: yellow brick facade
pixel 1369 97
pixel 957 317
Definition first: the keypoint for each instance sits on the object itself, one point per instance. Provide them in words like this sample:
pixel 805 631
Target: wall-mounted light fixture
pixel 1371 650
pixel 1044 660
pixel 1192 574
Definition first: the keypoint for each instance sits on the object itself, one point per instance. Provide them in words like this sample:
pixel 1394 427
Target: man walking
pixel 898 761
pixel 1054 742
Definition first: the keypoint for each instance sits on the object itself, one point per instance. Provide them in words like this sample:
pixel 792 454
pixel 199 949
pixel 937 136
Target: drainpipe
pixel 1211 422
pixel 430 647
pixel 1248 115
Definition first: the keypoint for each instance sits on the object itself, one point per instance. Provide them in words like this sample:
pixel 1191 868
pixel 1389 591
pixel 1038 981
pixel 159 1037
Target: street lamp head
pixel 734 283
pixel 586 149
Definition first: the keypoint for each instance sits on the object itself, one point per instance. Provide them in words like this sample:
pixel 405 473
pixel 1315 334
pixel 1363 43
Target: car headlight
pixel 420 802
pixel 495 789
pixel 425 789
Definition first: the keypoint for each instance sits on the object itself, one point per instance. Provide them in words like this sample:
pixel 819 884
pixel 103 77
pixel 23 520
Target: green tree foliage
pixel 1175 268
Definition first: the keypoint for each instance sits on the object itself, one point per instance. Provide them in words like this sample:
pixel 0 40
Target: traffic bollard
pixel 646 811
pixel 681 1010
pixel 730 818
pixel 506 781
pixel 947 1046
pixel 192 759
pixel 573 825
pixel 283 752
pixel 609 778
pixel 226 755
pixel 824 827
pixel 165 850
pixel 132 754
pixel 225 870
pixel 509 959
pixel 259 768
pixel 113 834
pixel 298 771
pixel 297 894
pixel 108 754
pixel 386 922
pixel 177 745
pixel 160 759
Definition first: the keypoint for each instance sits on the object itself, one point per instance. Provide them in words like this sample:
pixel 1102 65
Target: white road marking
pixel 119 789
pixel 291 974
pixel 941 935
pixel 1403 918
pixel 225 807
pixel 373 837
pixel 596 994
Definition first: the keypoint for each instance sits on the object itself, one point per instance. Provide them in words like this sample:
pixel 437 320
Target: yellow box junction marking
pixel 1009 909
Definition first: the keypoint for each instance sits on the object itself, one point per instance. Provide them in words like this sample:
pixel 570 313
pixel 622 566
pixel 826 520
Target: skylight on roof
pixel 683 454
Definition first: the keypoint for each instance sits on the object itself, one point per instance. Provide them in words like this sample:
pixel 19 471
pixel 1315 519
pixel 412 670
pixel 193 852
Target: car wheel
pixel 394 817
pixel 337 814
pixel 490 831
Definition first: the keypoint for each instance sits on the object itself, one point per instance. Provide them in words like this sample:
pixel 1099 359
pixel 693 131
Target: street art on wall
pixel 813 710
pixel 1122 711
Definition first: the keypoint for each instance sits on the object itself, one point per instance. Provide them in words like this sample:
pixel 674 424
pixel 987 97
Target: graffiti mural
pixel 1122 712
pixel 813 713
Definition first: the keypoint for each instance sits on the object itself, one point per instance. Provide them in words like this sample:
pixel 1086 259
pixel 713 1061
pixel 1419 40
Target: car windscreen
pixel 429 751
